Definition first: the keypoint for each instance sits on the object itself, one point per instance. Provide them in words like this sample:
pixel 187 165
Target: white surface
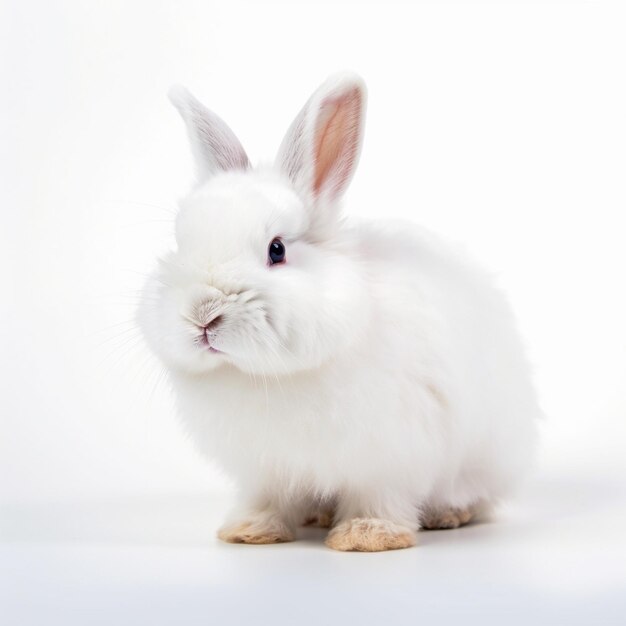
pixel 500 124
pixel 556 556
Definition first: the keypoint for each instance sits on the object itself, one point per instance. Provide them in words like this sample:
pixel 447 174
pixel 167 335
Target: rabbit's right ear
pixel 214 145
pixel 321 149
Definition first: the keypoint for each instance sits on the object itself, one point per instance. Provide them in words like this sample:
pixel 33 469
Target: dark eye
pixel 276 252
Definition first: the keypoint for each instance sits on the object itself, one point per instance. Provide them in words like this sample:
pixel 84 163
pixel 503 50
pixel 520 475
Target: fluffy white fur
pixel 377 374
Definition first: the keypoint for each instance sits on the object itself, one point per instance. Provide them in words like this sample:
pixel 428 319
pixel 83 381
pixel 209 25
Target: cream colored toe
pixel 370 535
pixel 256 532
pixel 321 519
pixel 445 518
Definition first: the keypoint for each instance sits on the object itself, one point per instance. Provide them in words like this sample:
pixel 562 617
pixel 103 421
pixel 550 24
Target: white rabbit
pixel 362 375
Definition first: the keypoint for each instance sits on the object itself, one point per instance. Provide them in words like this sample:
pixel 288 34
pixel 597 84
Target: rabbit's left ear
pixel 213 143
pixel 322 146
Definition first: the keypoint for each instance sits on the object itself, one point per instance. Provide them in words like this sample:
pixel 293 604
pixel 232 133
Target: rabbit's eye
pixel 276 252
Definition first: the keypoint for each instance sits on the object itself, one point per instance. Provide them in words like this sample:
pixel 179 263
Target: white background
pixel 500 125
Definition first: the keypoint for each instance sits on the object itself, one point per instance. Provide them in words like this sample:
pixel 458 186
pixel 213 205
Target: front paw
pixel 370 535
pixel 261 530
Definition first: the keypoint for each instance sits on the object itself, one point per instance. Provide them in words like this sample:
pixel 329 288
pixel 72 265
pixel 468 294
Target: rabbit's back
pixel 467 348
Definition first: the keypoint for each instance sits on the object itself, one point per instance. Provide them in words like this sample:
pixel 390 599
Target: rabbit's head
pixel 264 278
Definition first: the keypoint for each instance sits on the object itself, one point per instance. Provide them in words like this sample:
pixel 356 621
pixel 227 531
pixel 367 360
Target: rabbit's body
pixel 430 409
pixel 397 389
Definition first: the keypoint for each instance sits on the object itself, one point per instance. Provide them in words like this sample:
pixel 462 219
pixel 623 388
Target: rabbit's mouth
pixel 204 342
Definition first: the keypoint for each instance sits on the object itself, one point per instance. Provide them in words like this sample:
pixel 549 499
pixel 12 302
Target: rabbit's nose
pixel 213 324
pixel 208 312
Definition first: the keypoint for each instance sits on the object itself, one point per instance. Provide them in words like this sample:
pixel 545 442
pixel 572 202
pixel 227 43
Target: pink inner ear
pixel 336 141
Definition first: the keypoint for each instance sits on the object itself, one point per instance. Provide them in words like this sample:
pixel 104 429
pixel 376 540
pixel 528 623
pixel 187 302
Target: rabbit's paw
pixel 259 531
pixel 436 519
pixel 321 519
pixel 370 535
pixel 320 516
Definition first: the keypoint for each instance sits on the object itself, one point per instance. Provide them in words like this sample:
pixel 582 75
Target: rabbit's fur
pixel 372 381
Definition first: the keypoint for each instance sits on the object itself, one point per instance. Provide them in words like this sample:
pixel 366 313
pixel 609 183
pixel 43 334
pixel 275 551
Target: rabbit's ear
pixel 322 146
pixel 214 145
